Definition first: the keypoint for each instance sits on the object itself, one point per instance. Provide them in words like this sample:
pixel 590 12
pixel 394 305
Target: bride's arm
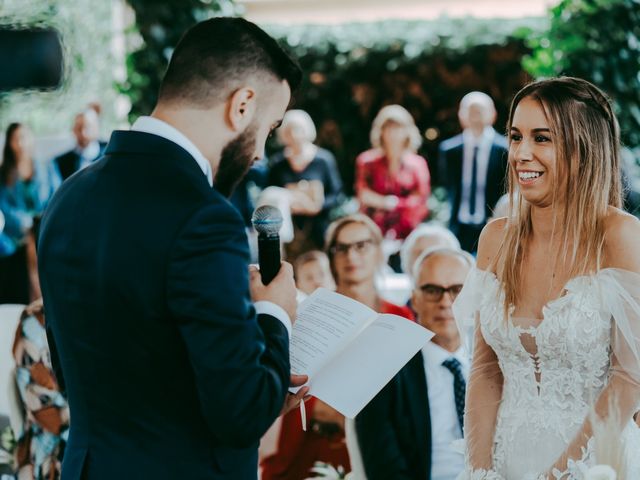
pixel 623 389
pixel 484 392
pixel 484 389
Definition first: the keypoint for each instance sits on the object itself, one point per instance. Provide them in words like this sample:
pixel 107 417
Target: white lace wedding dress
pixel 533 382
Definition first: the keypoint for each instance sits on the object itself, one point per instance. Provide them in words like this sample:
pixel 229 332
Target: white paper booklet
pixel 349 351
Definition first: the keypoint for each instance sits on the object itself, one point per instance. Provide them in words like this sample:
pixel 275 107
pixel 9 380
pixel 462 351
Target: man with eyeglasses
pixel 407 430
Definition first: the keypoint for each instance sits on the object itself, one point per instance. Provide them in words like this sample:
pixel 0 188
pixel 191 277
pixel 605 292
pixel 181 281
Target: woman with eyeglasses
pixel 354 246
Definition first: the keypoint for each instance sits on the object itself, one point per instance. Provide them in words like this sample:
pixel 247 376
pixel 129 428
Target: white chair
pixel 394 287
pixel 16 407
pixel 355 459
pixel 9 318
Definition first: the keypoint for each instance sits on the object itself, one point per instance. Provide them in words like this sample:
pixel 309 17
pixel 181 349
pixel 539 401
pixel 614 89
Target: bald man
pixel 86 130
pixel 474 164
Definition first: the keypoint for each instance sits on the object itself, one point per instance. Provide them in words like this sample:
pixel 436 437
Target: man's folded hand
pixel 293 401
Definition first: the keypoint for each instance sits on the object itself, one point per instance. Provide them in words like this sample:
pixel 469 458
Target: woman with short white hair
pixel 424 237
pixel 310 175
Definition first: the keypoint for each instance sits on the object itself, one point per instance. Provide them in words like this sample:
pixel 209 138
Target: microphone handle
pixel 268 257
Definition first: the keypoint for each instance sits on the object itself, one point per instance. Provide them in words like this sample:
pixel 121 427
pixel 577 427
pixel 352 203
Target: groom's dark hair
pixel 216 56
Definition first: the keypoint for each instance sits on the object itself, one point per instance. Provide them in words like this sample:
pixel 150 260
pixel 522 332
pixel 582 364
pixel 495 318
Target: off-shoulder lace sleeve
pixel 484 388
pixel 620 293
pixel 467 304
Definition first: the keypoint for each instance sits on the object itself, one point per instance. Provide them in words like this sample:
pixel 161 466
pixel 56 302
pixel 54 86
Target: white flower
pixel 326 471
pixel 601 472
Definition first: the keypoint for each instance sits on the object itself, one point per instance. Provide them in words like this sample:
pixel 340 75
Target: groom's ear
pixel 241 108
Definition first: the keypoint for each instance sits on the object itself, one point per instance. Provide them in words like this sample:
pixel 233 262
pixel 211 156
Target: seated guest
pixel 40 449
pixel 312 271
pixel 297 451
pixel 424 237
pixel 243 197
pixel 310 175
pixel 392 181
pixel 406 431
pixel 354 244
pixel 23 195
pixel 355 255
pixel 86 129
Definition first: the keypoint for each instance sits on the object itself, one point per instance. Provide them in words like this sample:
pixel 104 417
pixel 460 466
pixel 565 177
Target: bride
pixel 553 310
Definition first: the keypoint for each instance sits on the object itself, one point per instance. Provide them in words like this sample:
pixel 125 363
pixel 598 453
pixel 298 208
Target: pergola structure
pixel 343 11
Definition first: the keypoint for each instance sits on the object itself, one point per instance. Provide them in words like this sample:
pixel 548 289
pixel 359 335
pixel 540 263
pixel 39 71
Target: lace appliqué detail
pixel 481 474
pixel 553 372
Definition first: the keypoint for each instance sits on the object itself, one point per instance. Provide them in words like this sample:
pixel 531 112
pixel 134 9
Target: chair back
pixel 357 466
pixel 9 318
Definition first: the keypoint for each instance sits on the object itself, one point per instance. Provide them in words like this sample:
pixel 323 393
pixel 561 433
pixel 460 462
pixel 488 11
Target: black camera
pixel 32 58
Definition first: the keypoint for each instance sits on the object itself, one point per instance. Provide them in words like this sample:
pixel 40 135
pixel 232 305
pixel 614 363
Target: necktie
pixel 459 386
pixel 474 182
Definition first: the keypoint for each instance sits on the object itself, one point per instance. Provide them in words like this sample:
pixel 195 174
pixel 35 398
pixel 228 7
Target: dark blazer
pixel 394 429
pixel 322 168
pixel 451 154
pixel 69 162
pixel 241 198
pixel 168 371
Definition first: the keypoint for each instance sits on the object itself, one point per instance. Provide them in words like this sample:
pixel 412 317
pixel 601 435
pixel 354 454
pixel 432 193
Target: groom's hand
pixel 292 401
pixel 281 290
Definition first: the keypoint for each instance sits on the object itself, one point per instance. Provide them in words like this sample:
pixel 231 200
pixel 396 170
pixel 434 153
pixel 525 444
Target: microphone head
pixel 267 220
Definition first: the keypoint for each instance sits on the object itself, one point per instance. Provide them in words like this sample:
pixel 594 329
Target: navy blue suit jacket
pixel 168 371
pixel 451 154
pixel 394 429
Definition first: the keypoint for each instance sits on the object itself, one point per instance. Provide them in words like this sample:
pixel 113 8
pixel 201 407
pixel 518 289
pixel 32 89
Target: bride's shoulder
pixel 621 241
pixel 490 241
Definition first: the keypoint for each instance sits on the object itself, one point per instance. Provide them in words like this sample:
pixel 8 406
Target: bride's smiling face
pixel 532 153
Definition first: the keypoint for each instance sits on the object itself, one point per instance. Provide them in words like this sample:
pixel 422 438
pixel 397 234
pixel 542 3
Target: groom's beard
pixel 235 160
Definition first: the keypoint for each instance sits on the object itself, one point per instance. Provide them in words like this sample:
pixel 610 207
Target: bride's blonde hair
pixel 586 138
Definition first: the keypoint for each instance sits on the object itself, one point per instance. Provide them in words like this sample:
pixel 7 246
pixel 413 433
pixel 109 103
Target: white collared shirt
pixel 446 463
pixel 162 129
pixel 469 143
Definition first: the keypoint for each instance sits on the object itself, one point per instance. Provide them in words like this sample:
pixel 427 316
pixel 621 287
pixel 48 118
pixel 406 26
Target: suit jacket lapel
pixel 495 184
pixel 418 398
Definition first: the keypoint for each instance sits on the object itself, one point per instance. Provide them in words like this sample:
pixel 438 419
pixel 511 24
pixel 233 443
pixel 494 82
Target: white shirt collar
pixel 163 129
pixel 434 354
pixel 486 137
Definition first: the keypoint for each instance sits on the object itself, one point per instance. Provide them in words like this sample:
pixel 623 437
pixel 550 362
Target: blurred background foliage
pixel 87 31
pixel 158 27
pixel 351 70
pixel 598 40
pixel 426 66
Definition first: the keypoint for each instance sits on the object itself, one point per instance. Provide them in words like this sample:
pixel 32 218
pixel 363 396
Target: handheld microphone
pixel 267 221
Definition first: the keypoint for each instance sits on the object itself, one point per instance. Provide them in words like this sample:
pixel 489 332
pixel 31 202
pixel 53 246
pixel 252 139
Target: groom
pixel 174 356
